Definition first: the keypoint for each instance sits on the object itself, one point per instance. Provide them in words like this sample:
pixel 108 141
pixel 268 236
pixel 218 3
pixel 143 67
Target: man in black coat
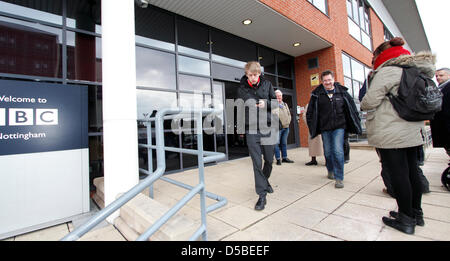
pixel 258 95
pixel 332 112
pixel 440 125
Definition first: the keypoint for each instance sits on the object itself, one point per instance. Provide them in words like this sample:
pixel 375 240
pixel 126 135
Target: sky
pixel 435 14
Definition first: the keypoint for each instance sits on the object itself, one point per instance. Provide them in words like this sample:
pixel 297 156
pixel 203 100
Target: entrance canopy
pixel 268 27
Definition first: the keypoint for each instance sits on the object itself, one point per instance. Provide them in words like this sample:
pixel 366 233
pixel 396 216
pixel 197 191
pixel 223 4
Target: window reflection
pixel 84 57
pixel 193 83
pixel 30 48
pixel 284 65
pixel 155 69
pixel 50 13
pixel 285 83
pixel 191 65
pixel 149 101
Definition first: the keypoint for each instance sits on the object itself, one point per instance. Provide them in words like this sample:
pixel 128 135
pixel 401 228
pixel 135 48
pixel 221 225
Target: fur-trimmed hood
pixel 424 61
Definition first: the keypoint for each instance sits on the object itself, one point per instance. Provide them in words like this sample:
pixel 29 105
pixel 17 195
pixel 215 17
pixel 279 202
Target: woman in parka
pixel 396 139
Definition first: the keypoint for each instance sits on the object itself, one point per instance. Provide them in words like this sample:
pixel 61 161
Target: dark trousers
pixel 387 180
pixel 402 170
pixel 262 173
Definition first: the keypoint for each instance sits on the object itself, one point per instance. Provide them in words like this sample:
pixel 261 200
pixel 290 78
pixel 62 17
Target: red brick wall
pixel 334 29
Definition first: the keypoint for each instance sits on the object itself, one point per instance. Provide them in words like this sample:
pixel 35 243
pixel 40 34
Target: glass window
pixel 359 22
pixel 155 69
pixel 284 83
pixel 320 4
pixel 193 83
pixel 84 57
pixel 155 28
pixel 191 65
pixel 228 73
pixel 231 49
pixel 354 30
pixel 84 14
pixel 366 41
pixel 95 109
pixel 346 65
pixel 387 35
pixel 192 38
pixel 357 71
pixel 150 100
pixel 271 78
pixel 194 100
pixel 267 60
pixel 47 11
pixel 356 87
pixel 30 48
pixel 355 74
pixel 284 65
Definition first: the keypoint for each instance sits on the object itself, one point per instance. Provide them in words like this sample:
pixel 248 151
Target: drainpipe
pixel 119 99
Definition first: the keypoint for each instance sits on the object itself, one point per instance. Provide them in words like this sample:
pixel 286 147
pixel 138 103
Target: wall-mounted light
pixel 247 21
pixel 296 44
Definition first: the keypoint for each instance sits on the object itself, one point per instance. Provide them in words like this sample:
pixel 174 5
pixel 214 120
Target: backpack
pixel 418 96
pixel 445 178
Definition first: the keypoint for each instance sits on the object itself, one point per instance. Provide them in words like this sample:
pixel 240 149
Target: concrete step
pixel 361 146
pixel 129 233
pixel 142 212
pixel 108 233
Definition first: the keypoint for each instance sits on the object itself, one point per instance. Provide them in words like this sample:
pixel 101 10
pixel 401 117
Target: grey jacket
pixel 385 129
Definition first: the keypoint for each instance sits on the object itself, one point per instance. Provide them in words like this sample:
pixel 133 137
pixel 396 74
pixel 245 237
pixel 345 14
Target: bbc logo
pixel 28 117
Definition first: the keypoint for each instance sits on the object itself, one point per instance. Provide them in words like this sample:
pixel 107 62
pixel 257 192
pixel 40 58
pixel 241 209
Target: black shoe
pixel 261 203
pixel 269 189
pixel 346 161
pixel 312 162
pixel 287 160
pixel 278 162
pixel 403 223
pixel 418 215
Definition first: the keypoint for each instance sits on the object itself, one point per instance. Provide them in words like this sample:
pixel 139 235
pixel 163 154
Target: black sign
pixel 42 117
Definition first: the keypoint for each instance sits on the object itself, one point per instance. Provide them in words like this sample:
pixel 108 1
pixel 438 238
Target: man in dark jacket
pixel 332 112
pixel 440 125
pixel 258 95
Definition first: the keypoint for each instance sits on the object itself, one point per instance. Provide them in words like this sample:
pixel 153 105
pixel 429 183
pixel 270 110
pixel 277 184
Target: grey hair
pixel 279 92
pixel 447 70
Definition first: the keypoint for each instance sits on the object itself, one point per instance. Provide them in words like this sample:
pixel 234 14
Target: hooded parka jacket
pixel 385 128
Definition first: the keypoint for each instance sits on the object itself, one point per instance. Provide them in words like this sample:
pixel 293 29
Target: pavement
pixel 305 205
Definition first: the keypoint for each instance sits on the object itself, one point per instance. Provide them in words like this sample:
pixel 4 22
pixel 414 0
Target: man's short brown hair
pixel 325 73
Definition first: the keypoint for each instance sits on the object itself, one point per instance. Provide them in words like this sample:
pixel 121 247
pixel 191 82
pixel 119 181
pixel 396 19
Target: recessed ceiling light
pixel 296 44
pixel 247 21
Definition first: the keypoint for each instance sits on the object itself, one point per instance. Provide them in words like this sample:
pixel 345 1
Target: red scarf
pixel 251 85
pixel 388 54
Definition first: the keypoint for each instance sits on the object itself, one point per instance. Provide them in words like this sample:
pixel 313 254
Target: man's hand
pixel 261 104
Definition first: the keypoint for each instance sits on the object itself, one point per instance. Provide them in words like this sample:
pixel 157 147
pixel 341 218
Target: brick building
pixel 158 53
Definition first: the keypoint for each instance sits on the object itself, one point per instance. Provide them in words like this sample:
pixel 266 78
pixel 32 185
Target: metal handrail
pixel 152 177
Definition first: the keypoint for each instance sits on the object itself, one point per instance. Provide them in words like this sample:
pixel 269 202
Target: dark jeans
pixel 261 173
pixel 333 147
pixel 401 167
pixel 282 142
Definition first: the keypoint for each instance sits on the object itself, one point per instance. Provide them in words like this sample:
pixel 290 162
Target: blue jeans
pixel 333 147
pixel 282 141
